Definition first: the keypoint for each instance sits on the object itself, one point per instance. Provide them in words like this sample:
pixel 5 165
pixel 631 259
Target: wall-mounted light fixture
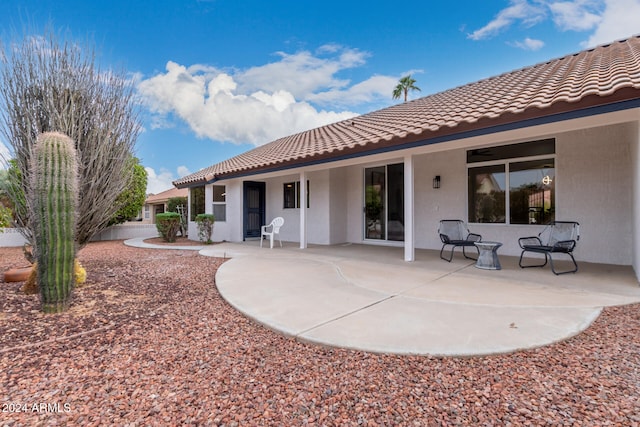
pixel 436 181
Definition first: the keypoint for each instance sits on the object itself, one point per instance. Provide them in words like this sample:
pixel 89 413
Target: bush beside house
pixel 168 225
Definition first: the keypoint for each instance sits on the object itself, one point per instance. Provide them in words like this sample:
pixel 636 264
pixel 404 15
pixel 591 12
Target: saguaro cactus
pixel 53 203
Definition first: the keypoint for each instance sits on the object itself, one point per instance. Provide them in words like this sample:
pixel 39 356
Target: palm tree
pixel 404 85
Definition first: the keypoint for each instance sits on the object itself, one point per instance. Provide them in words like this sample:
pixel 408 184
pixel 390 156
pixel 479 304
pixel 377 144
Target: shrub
pixel 205 227
pixel 168 224
pixel 5 217
pixel 30 286
pixel 179 205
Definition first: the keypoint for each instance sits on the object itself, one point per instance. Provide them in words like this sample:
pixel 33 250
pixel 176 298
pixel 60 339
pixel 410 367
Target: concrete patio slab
pixel 310 294
pixel 368 298
pixel 404 325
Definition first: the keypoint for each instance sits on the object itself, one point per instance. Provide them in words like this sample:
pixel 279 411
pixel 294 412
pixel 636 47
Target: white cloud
pixel 519 10
pixel 619 20
pixel 159 182
pixel 370 90
pixel 302 73
pixel 579 15
pixel 183 171
pixel 262 103
pixel 608 20
pixel 529 44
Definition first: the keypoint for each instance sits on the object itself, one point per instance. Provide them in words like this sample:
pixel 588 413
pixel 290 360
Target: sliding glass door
pixel 384 202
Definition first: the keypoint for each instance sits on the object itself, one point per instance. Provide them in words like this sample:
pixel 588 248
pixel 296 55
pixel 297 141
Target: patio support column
pixel 409 229
pixel 303 210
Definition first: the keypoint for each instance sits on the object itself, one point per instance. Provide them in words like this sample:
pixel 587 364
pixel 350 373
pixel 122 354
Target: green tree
pixel 47 84
pixel 5 200
pixel 132 198
pixel 5 217
pixel 405 84
pixel 12 189
pixel 174 202
pixel 6 214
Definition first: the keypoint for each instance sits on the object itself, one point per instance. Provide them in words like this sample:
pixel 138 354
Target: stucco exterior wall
pixel 594 183
pixel 318 213
pixel 447 202
pixel 338 206
pixel 224 230
pixel 235 203
pixel 597 184
pixel 354 185
pixel 231 229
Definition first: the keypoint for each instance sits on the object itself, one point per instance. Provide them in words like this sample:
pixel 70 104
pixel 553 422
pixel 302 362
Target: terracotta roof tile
pixel 167 194
pixel 593 75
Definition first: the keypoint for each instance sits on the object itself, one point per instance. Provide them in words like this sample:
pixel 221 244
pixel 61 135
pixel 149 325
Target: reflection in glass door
pixel 384 202
pixel 374 198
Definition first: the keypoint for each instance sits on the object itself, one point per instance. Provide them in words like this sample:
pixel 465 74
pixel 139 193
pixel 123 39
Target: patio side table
pixel 488 256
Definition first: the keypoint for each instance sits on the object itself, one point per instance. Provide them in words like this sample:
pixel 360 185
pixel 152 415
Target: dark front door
pixel 254 208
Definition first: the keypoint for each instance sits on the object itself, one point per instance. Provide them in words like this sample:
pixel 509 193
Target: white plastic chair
pixel 275 229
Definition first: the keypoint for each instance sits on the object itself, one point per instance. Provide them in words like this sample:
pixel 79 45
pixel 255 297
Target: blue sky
pixel 218 77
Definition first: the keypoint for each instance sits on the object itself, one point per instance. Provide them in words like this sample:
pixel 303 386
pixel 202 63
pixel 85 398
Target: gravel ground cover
pixel 149 341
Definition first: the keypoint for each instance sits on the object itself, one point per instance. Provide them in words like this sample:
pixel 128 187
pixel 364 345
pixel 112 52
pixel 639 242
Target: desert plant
pixel 205 227
pixel 48 84
pixel 168 224
pixel 52 206
pixel 30 286
pixel 79 273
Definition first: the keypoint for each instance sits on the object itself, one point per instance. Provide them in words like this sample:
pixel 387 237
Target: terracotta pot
pixel 19 274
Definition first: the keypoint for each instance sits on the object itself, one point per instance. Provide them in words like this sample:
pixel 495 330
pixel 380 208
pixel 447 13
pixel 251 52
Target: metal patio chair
pixel 271 229
pixel 559 237
pixel 454 232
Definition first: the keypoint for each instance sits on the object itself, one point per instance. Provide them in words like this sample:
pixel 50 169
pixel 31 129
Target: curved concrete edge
pixel 223 252
pixel 138 242
pixel 326 308
pixel 438 330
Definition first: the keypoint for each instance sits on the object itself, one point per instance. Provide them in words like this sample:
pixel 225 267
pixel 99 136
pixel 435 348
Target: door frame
pixel 384 238
pixel 261 187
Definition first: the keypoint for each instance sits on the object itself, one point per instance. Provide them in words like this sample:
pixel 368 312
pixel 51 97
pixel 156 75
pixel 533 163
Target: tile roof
pixel 599 76
pixel 166 195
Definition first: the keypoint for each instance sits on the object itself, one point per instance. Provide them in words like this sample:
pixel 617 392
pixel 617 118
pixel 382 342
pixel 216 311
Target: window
pixel 219 203
pixel 486 194
pixel 531 192
pixel 197 202
pixel 291 195
pixel 147 211
pixel 527 170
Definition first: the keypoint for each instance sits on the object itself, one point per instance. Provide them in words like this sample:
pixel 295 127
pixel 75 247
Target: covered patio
pixel 556 141
pixel 366 297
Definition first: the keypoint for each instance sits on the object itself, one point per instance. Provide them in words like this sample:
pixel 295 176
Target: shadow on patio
pixel 368 298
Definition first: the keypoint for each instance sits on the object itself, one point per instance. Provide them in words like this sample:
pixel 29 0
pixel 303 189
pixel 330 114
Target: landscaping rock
pixel 149 341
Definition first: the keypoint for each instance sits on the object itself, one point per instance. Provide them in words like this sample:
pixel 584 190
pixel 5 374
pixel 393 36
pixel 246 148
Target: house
pixel 557 140
pixel 157 203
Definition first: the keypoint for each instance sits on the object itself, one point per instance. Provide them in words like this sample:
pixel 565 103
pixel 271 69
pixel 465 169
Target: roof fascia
pixel 530 122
